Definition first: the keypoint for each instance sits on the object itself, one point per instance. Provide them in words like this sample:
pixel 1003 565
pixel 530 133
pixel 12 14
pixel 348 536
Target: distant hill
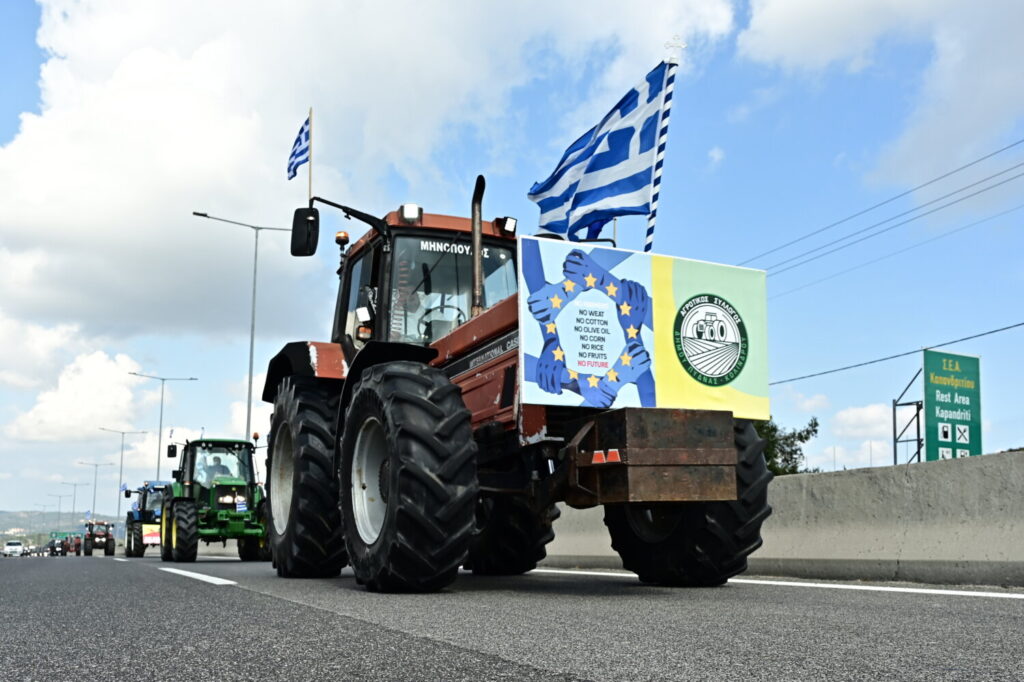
pixel 18 524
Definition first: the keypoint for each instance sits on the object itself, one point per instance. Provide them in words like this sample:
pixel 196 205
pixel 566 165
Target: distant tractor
pixel 142 525
pixel 402 446
pixel 214 498
pixel 99 536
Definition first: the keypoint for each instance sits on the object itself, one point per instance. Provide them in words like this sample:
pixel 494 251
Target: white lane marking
pixel 881 588
pixel 199 576
pixel 116 559
pixel 828 586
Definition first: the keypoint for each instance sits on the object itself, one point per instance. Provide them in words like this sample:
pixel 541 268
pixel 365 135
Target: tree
pixel 784 451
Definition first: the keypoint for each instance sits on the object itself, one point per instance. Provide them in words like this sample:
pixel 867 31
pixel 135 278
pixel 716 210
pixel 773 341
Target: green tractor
pixel 214 498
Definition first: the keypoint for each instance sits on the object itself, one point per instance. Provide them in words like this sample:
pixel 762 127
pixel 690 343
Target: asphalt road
pixel 97 618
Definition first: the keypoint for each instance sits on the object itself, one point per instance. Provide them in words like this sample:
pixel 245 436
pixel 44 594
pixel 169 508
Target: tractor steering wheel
pixel 421 324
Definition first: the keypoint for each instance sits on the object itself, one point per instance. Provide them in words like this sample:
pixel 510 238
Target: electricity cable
pixel 896 253
pixel 899 224
pixel 898 215
pixel 898 355
pixel 886 201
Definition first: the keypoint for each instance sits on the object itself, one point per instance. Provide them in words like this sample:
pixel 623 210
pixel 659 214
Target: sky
pixel 117 120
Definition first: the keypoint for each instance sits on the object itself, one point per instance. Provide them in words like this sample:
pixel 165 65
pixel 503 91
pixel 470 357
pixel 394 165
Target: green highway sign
pixel 952 405
pixel 58 534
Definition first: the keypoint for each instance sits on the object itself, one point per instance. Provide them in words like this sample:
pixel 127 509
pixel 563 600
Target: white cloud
pixel 715 156
pixel 814 403
pixel 31 350
pixel 151 111
pixel 867 421
pixel 261 411
pixel 94 390
pixel 871 452
pixel 964 107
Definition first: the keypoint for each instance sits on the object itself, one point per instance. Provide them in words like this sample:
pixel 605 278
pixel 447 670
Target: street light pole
pixel 74 495
pixel 120 470
pixel 252 318
pixel 59 498
pixel 160 434
pixel 95 471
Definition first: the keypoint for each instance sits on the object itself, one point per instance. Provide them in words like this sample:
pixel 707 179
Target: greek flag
pixel 612 169
pixel 300 151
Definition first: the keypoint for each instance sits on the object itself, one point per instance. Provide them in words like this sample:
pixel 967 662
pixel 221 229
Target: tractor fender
pixel 375 353
pixel 305 359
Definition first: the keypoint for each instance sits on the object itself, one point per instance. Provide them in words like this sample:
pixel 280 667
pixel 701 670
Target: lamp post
pixel 160 433
pixel 74 495
pixel 252 319
pixel 95 470
pixel 59 498
pixel 42 523
pixel 120 470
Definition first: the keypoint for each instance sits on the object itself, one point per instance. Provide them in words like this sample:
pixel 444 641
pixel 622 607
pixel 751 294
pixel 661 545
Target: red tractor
pixel 401 446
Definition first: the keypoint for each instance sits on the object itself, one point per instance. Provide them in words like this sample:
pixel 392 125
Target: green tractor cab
pixel 214 498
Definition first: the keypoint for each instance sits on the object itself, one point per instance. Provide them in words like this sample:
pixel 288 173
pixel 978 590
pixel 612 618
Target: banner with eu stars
pixel 608 328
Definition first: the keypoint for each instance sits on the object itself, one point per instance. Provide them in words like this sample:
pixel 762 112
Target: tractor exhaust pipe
pixel 478 239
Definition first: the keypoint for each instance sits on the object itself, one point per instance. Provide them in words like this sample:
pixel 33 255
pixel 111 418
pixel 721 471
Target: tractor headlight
pixel 239 498
pixel 226 499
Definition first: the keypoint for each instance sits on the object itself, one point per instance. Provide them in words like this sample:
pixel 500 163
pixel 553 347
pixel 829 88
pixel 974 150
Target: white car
pixel 13 548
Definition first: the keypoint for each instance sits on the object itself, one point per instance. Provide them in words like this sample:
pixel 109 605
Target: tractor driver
pixel 217 469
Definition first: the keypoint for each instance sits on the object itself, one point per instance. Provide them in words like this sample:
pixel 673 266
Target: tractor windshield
pixel 154 499
pixel 432 285
pixel 214 460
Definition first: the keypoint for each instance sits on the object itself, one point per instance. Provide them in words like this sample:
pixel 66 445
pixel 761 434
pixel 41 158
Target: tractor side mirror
pixel 127 494
pixel 305 231
pixel 172 450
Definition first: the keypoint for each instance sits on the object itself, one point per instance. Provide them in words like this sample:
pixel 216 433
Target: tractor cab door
pixel 357 308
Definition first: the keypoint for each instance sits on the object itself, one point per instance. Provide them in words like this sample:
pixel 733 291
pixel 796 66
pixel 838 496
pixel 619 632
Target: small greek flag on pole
pixel 614 169
pixel 300 150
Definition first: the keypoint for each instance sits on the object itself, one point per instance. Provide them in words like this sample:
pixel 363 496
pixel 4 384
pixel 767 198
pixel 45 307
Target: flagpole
pixel 672 63
pixel 310 164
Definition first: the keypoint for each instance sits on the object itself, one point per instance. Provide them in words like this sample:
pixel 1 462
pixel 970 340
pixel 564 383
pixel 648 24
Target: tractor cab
pixel 220 472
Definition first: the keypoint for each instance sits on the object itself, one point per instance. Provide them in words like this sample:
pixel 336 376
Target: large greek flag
pixel 610 170
pixel 300 151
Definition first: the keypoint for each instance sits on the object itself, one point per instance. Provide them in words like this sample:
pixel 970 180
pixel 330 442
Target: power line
pixel 898 355
pixel 898 215
pixel 899 224
pixel 896 253
pixel 887 201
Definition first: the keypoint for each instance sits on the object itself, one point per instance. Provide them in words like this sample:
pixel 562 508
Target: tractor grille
pixel 222 490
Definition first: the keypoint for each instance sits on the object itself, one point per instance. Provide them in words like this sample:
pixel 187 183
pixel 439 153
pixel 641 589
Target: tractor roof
pixel 433 221
pixel 219 441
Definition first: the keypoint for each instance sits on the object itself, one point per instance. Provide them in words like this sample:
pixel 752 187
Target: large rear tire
pixel 87 547
pixel 184 531
pixel 697 543
pixel 511 537
pixel 408 478
pixel 110 547
pixel 304 527
pixel 249 549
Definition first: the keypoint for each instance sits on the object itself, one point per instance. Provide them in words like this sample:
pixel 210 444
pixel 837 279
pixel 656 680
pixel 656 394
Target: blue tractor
pixel 142 525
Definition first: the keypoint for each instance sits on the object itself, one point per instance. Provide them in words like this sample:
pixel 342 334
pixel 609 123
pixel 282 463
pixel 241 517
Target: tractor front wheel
pixel 697 543
pixel 184 531
pixel 510 536
pixel 87 547
pixel 165 533
pixel 304 528
pixel 407 478
pixel 138 541
pixel 111 545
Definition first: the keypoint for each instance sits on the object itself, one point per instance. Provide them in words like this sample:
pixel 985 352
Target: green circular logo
pixel 711 339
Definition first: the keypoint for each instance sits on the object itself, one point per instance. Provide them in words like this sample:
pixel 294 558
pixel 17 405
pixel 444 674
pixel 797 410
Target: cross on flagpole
pixel 674 46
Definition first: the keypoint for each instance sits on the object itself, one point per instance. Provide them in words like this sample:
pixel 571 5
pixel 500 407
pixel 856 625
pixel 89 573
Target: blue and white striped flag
pixel 300 151
pixel 614 169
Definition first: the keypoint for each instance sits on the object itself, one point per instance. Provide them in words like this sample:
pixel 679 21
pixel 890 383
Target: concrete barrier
pixel 955 521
